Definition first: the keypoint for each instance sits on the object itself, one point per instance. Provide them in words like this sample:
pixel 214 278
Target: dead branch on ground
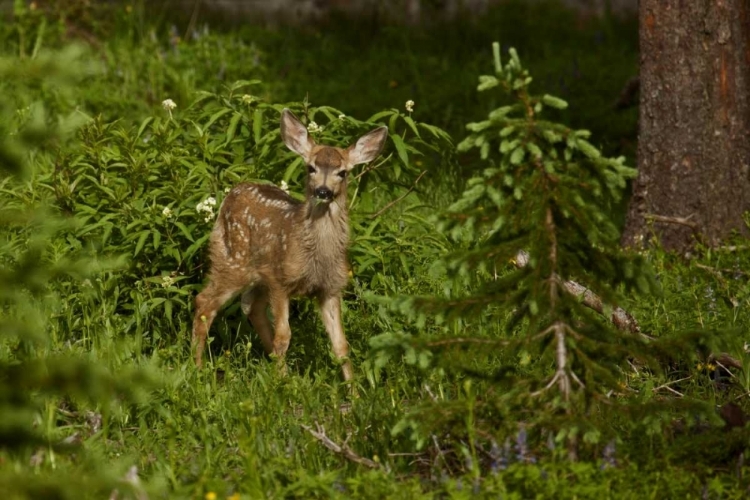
pixel 342 449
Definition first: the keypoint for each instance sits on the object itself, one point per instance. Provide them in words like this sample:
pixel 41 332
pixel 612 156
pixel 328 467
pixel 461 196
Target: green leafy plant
pixel 37 379
pixel 151 192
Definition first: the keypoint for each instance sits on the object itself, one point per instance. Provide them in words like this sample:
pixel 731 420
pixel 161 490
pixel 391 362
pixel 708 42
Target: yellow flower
pixel 235 496
pixel 210 495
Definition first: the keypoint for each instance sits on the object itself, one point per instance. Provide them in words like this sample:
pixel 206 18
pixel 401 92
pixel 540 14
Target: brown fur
pixel 269 246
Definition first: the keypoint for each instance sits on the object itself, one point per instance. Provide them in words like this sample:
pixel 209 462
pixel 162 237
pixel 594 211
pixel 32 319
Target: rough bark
pixel 694 132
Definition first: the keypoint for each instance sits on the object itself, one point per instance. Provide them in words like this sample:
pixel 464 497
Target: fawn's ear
pixel 367 147
pixel 295 135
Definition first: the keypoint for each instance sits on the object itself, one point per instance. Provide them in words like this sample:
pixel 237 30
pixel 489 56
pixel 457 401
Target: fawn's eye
pixel 341 174
pixel 311 169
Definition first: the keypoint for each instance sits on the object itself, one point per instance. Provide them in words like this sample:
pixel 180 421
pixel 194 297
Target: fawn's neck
pixel 327 226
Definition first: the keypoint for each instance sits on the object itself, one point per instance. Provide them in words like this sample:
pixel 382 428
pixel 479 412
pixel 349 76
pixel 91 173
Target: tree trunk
pixel 694 131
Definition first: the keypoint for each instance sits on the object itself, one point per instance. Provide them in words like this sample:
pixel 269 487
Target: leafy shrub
pixel 151 192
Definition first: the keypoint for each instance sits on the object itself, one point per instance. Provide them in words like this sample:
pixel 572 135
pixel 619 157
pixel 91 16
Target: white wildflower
pixel 206 208
pixel 314 128
pixel 284 187
pixel 227 189
pixel 248 99
pixel 168 105
pixel 409 106
pixel 167 213
pixel 167 281
pixel 87 283
pixel 342 116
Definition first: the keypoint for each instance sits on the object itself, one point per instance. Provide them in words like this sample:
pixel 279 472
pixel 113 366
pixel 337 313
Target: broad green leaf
pixel 400 149
pixel 409 121
pixel 143 126
pixel 215 117
pixel 184 230
pixel 289 172
pixel 377 116
pixel 239 84
pixel 141 241
pixel 232 129
pixel 257 125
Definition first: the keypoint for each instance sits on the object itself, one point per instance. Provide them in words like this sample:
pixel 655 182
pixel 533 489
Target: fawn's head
pixel 328 166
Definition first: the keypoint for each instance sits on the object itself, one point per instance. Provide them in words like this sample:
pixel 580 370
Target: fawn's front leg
pixel 330 313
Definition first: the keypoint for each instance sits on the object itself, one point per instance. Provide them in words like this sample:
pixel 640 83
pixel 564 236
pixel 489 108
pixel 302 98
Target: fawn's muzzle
pixel 324 194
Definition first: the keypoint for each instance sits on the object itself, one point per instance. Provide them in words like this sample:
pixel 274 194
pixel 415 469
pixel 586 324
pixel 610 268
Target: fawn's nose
pixel 323 193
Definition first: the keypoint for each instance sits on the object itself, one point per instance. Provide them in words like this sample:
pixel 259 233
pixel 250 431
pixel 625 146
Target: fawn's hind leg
pixel 255 305
pixel 207 305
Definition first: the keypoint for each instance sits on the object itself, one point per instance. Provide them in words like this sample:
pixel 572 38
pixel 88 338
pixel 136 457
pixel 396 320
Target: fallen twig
pixel 681 221
pixel 719 272
pixel 469 340
pixel 724 360
pixel 343 449
pixel 666 386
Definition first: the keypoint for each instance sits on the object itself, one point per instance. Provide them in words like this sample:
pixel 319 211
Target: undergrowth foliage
pixel 543 202
pixel 36 376
pixel 151 192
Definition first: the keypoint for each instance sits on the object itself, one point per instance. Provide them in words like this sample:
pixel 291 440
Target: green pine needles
pixel 549 192
pixel 544 203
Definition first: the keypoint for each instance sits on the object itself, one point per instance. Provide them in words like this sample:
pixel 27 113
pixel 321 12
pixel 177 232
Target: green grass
pixel 237 426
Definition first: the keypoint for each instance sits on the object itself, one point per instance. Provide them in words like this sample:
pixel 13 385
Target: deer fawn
pixel 269 247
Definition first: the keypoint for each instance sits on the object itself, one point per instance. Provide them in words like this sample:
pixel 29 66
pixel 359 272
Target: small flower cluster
pixel 167 213
pixel 248 99
pixel 284 187
pixel 314 128
pixel 168 105
pixel 206 208
pixel 167 281
pixel 409 106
